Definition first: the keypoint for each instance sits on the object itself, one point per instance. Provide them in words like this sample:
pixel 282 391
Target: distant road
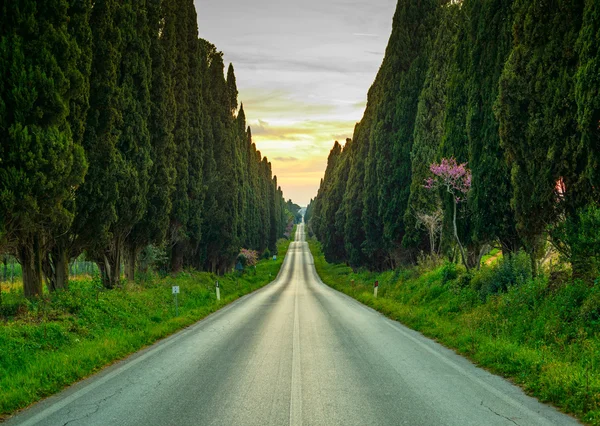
pixel 298 353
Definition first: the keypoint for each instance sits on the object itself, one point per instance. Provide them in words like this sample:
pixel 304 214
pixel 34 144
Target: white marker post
pixel 218 291
pixel 375 287
pixel 175 293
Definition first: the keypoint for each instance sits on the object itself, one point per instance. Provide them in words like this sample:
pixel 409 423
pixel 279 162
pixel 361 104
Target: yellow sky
pixel 303 70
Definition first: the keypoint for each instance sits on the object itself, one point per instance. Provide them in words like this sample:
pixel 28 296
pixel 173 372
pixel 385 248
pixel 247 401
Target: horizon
pixel 271 46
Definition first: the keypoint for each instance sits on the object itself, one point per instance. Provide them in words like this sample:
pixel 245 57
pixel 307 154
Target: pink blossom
pixel 455 177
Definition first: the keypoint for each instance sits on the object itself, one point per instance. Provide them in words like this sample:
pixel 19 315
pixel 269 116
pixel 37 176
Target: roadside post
pixel 175 293
pixel 375 287
pixel 218 291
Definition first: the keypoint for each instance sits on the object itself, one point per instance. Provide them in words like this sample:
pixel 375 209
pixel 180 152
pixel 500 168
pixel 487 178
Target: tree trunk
pixel 56 268
pixel 130 256
pixel 177 258
pixel 31 265
pixel 462 250
pixel 110 265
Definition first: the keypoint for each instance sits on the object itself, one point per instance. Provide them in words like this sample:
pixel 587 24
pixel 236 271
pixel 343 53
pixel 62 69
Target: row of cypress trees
pixel 510 87
pixel 119 130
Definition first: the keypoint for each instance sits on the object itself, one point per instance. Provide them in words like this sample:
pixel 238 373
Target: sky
pixel 303 70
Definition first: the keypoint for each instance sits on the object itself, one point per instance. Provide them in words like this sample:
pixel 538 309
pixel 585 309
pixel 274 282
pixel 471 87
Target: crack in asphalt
pixel 499 415
pixel 96 405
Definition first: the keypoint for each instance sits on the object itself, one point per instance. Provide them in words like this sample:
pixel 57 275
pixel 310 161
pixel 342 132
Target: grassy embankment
pixel 53 342
pixel 542 334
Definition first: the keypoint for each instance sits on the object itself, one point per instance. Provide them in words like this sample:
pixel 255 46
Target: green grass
pixel 48 344
pixel 543 336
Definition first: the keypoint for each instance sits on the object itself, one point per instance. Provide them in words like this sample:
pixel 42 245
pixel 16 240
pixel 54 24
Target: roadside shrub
pixel 428 262
pixel 266 254
pixel 449 272
pixel 464 280
pixel 248 257
pixel 578 241
pixel 509 271
pixel 153 258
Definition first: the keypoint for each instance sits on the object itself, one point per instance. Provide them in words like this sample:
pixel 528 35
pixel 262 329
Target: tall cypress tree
pixel 56 262
pixel 429 124
pixel 222 240
pixel 455 141
pixel 133 145
pixel 40 163
pixel 97 197
pixel 587 92
pixel 537 114
pixel 490 43
pixel 181 75
pixel 196 191
pixel 331 198
pixel 153 227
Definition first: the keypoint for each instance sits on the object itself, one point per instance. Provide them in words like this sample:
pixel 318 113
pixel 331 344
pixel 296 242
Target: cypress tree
pixel 354 234
pixel 490 44
pixel 97 197
pixel 455 141
pixel 331 198
pixel 587 92
pixel 429 124
pixel 196 191
pixel 56 262
pixel 40 162
pixel 223 244
pixel 537 114
pixel 133 145
pixel 153 227
pixel 181 132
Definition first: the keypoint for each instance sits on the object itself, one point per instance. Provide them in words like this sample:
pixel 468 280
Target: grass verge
pixel 543 337
pixel 48 344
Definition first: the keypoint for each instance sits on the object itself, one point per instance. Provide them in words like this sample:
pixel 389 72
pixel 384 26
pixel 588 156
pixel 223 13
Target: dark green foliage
pixel 489 42
pixel 152 229
pixel 509 87
pixel 353 205
pixel 129 87
pixel 577 239
pixel 330 228
pixel 133 145
pixel 97 197
pixel 429 125
pixel 449 272
pixel 41 161
pixel 181 81
pixel 537 113
pixel 587 93
pixel 514 270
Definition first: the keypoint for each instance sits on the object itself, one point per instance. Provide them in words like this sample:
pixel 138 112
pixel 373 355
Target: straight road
pixel 295 352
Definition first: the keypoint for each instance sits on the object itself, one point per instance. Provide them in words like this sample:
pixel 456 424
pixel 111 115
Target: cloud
pixel 303 70
pixel 285 159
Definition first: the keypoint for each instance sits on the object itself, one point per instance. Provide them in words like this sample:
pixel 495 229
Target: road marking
pixel 296 388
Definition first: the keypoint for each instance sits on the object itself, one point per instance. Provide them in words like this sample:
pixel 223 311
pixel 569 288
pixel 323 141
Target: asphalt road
pixel 295 352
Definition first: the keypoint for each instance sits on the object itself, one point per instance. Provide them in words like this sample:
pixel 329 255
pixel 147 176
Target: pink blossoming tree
pixel 456 179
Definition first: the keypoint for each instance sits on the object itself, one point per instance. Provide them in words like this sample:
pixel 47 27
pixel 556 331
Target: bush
pixel 578 241
pixel 509 271
pixel 449 272
pixel 247 257
pixel 266 254
pixel 464 280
